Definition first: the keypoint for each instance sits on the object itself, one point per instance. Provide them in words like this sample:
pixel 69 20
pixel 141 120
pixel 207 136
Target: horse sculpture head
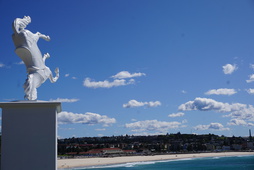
pixel 21 23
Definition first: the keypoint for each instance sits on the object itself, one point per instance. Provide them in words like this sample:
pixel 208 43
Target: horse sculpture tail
pixel 54 79
pixel 30 91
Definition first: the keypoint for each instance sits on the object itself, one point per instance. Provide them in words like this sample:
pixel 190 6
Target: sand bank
pixel 69 163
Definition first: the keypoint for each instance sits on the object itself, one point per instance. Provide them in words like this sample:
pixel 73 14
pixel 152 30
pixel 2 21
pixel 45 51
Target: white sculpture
pixel 26 48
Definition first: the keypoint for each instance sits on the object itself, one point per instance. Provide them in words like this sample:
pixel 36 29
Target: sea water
pixel 211 163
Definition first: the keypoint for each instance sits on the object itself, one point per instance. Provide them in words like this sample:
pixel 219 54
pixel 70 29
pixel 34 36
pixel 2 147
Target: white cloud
pixel 67 128
pixel 237 122
pixel 211 126
pixel 87 118
pixel 119 80
pixel 251 78
pixel 252 66
pixel 201 127
pixel 106 84
pixel 229 68
pixel 152 125
pixel 184 92
pixel 1 65
pixel 64 100
pixel 68 75
pixel 179 114
pixel 135 103
pixel 221 92
pixel 205 104
pixel 153 104
pixel 103 129
pixel 238 110
pixel 250 91
pixel 126 74
pixel 250 124
pixel 246 112
pixel 20 63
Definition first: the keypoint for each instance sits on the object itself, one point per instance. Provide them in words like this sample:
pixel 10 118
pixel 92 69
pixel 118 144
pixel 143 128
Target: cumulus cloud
pixel 126 74
pixel 246 112
pixel 87 118
pixel 64 100
pixel 152 125
pixel 237 122
pixel 135 103
pixel 211 126
pixel 229 68
pixel 153 104
pixel 221 92
pixel 119 80
pixel 205 104
pixel 179 114
pixel 106 84
pixel 250 91
pixel 238 110
pixel 251 78
pixel 66 75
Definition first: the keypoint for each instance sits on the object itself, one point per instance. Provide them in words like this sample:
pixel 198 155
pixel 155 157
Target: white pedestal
pixel 29 135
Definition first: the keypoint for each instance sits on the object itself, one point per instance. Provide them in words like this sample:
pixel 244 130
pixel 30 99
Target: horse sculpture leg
pixel 48 71
pixel 45 56
pixel 54 79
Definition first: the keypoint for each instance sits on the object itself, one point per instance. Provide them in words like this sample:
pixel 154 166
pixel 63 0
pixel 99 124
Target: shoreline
pixel 87 162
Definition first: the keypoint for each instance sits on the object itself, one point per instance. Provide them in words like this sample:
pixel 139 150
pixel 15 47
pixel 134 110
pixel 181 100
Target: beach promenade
pixel 69 163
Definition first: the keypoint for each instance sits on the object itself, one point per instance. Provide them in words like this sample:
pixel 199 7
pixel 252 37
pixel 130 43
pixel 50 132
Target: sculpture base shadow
pixel 29 135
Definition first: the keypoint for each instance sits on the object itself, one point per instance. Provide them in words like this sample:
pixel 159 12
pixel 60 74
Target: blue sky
pixel 140 67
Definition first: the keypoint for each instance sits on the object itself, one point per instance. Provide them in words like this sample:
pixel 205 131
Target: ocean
pixel 211 163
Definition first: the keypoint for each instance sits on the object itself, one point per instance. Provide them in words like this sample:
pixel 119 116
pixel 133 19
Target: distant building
pixel 250 145
pixel 103 151
pixel 225 148
pixel 129 151
pixel 236 147
pixel 210 147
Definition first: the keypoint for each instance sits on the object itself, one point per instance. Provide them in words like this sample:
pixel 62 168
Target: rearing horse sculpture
pixel 26 48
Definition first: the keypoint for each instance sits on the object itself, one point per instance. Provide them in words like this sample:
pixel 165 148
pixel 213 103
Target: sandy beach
pixel 69 163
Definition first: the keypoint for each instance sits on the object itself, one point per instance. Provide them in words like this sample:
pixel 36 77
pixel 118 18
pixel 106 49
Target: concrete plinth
pixel 29 135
